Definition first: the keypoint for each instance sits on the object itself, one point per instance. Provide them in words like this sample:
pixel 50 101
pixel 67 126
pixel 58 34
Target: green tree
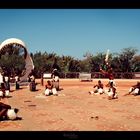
pixel 126 59
pixel 136 63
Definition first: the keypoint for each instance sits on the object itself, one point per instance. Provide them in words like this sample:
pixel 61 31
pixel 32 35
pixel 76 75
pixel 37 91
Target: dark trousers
pixel 32 86
pixel 17 85
pixel 7 86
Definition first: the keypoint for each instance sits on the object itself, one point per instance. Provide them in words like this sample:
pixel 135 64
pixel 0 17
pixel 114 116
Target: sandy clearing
pixel 74 109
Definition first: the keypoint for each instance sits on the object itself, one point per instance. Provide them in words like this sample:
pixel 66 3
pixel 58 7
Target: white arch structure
pixel 28 60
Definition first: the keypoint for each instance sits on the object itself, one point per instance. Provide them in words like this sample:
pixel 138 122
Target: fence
pixel 137 75
pixel 85 76
pixel 117 75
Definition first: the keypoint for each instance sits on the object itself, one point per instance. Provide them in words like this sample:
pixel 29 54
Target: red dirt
pixel 74 109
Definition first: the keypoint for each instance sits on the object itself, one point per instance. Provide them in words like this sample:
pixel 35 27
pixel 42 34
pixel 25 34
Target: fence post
pixel 42 80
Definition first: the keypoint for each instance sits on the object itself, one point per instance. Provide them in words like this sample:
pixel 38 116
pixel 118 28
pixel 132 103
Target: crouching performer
pixel 134 90
pixel 112 94
pixel 49 89
pixel 8 113
pixel 98 88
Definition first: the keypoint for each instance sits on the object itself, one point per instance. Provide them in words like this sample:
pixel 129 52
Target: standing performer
pixel 1 79
pixel 109 74
pixel 109 71
pixel 16 82
pixel 7 85
pixel 2 90
pixel 32 83
pixel 55 79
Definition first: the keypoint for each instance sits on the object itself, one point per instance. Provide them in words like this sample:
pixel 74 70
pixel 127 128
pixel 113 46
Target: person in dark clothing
pixel 2 90
pixel 8 113
pixel 17 82
pixel 32 83
pixel 7 82
pixel 55 79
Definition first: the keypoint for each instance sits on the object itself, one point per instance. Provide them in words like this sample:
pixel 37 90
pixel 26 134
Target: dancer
pixel 55 79
pixel 109 70
pixel 16 82
pixel 7 112
pixel 32 83
pixel 134 90
pixel 98 88
pixel 109 74
pixel 112 93
pixel 49 89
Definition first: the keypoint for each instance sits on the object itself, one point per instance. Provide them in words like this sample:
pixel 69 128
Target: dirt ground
pixel 74 109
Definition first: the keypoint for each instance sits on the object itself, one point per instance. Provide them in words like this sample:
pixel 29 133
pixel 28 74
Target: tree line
pixel 126 61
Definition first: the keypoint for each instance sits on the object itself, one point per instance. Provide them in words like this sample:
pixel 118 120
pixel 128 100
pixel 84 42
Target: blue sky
pixel 72 31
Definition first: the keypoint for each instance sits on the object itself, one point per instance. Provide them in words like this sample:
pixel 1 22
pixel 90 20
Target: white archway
pixel 28 60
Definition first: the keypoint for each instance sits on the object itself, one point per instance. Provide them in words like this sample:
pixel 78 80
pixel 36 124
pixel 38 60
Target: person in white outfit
pixel 7 85
pixel 112 94
pixel 55 79
pixel 49 89
pixel 16 82
pixel 1 79
pixel 98 88
pixel 134 90
pixel 3 91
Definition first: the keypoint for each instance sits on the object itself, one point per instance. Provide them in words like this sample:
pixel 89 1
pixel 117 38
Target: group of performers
pixel 9 113
pixel 111 85
pixel 6 111
pixel 4 85
pixel 99 88
pixel 52 87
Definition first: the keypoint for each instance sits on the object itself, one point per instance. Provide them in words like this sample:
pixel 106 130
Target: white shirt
pixel 6 78
pixel 1 78
pixel 16 78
